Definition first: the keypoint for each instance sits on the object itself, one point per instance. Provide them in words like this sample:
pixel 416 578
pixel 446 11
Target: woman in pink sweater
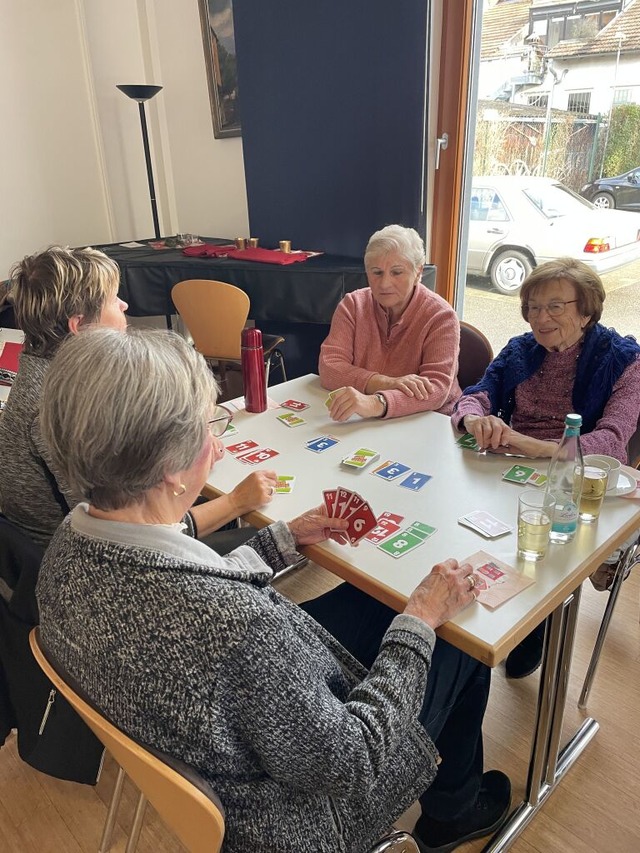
pixel 393 346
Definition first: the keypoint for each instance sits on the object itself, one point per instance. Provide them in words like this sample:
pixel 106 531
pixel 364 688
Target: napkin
pixel 208 250
pixel 269 256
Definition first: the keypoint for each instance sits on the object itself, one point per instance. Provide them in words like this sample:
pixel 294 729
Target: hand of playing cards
pixel 350 506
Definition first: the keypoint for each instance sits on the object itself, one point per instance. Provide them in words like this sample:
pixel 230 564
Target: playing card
pixel 291 420
pixel 468 442
pixel 343 499
pixel 361 521
pixel 518 474
pixel 241 446
pixel 329 401
pixel 330 496
pixel 484 523
pixel 258 456
pixel 391 470
pixel 415 481
pixel 324 442
pixel 423 531
pixel 388 524
pixel 229 431
pixel 296 405
pixel 284 484
pixel 537 479
pixel 360 458
pixel 354 503
pixel 401 544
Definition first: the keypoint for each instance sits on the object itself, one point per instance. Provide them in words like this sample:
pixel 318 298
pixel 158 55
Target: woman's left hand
pixel 315 526
pixel 517 443
pixel 347 401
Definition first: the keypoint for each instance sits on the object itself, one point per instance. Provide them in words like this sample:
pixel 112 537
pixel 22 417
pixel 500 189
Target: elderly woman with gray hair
pixel 393 346
pixel 199 656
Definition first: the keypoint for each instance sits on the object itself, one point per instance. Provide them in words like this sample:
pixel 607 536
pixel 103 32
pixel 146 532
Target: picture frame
pixel 216 19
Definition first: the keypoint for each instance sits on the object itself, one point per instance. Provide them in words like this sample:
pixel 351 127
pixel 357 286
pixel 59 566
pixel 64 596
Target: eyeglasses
pixel 553 309
pixel 221 419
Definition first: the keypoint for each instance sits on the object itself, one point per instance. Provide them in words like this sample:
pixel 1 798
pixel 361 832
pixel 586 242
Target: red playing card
pixel 360 523
pixel 296 405
pixel 383 530
pixel 241 446
pixel 355 503
pixel 257 456
pixel 330 496
pixel 343 499
pixel 390 517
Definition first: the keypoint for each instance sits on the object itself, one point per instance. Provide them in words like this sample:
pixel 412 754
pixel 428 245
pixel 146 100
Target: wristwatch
pixel 385 405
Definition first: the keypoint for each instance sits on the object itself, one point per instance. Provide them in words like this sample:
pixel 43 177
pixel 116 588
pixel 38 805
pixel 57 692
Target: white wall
pixel 51 187
pixel 71 148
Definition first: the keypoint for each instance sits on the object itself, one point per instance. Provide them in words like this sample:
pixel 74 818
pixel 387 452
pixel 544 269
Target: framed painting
pixel 216 18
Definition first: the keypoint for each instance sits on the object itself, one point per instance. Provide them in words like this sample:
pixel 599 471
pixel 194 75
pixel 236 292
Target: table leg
pixel 548 765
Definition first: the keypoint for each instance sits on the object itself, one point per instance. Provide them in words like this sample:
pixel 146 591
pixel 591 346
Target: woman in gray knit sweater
pixel 198 655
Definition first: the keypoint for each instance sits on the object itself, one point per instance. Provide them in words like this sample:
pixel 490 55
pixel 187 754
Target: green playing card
pixel 400 544
pixel 468 442
pixel 518 474
pixel 421 530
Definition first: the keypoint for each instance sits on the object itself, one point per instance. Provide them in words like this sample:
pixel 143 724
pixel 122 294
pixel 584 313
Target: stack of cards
pixel 291 420
pixel 322 443
pixel 523 474
pixel 294 405
pixel 247 451
pixel 388 524
pixel 360 458
pixel 485 524
pixel 408 539
pixel 343 503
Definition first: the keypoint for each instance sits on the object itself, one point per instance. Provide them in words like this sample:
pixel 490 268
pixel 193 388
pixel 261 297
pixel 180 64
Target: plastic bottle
pixel 565 474
pixel 254 378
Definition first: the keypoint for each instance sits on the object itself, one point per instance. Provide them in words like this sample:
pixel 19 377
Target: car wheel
pixel 508 270
pixel 604 200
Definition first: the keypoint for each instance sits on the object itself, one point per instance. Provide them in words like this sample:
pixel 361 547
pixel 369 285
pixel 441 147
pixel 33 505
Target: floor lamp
pixel 142 94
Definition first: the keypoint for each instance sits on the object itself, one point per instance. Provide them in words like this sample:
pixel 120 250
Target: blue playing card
pixel 392 470
pixel 318 445
pixel 415 481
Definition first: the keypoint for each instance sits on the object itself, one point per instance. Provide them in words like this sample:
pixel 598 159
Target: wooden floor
pixel 595 810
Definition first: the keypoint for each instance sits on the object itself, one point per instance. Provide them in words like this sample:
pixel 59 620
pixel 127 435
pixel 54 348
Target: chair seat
pixel 271 343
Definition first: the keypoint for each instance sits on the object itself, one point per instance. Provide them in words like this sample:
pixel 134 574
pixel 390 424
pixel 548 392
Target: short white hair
pixel 120 410
pixel 396 238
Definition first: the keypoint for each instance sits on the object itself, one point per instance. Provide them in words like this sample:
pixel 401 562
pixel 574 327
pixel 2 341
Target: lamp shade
pixel 139 93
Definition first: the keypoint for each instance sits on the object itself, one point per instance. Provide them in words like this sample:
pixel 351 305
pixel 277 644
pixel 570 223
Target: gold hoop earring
pixel 179 494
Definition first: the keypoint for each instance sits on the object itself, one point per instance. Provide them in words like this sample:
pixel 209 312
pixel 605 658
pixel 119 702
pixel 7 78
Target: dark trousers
pixel 454 701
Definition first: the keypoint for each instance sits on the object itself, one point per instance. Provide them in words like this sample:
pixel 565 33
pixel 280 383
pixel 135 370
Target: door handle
pixel 441 145
pixel 495 230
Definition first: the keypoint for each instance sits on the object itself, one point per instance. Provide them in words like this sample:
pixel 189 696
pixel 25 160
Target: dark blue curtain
pixel 332 110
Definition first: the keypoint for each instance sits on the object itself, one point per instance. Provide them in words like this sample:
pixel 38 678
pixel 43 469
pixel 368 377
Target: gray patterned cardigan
pixel 198 655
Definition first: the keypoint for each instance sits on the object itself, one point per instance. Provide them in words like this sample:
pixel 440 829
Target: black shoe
pixel 527 655
pixel 485 816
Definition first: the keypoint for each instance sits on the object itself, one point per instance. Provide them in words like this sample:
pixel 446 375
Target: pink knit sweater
pixel 425 341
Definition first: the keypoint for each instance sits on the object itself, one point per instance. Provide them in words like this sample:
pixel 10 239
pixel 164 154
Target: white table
pixel 462 481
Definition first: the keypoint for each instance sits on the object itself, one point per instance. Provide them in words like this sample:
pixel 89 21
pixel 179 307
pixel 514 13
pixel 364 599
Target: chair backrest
pixel 182 798
pixel 475 355
pixel 633 448
pixel 215 314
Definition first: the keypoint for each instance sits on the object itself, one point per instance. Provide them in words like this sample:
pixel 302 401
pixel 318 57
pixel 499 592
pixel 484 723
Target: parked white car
pixel 517 222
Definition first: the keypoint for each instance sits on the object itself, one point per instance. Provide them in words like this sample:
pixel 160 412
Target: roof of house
pixel 501 23
pixel 627 23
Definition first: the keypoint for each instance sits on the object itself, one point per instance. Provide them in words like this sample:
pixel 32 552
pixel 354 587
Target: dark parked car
pixel 621 191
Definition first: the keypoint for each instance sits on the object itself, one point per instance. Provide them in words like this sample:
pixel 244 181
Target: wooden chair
pixel 476 355
pixel 182 798
pixel 215 314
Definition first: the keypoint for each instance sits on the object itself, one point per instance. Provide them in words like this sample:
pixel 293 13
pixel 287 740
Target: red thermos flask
pixel 254 378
